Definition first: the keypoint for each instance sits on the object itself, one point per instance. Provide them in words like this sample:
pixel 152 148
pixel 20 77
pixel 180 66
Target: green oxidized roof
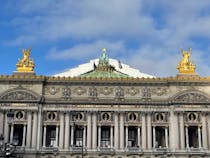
pixel 104 69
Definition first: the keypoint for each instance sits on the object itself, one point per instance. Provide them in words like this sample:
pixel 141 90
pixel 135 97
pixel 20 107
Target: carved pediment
pixel 20 95
pixel 191 97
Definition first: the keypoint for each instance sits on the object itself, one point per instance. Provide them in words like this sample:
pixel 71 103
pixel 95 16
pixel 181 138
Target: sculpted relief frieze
pixel 191 97
pixel 18 96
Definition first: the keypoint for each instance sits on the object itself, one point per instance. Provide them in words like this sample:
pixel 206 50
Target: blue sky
pixel 146 34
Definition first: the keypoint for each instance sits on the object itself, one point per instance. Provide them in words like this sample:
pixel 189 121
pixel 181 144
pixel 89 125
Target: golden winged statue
pixel 25 64
pixel 186 66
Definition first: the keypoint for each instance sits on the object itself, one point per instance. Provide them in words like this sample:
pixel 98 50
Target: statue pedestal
pixel 24 73
pixel 187 75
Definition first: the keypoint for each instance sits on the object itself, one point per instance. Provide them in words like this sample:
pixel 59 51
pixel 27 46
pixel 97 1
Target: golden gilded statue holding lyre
pixel 25 64
pixel 186 66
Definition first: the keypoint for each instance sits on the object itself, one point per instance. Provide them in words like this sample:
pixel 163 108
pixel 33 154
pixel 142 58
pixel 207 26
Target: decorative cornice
pixel 29 78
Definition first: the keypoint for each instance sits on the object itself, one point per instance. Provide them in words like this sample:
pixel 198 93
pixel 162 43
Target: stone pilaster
pixel 94 138
pixel 67 127
pixel 28 140
pixel 121 130
pixel 204 131
pixel 34 131
pixel 144 132
pixel 89 130
pixel 149 131
pixel 61 133
pixel 116 131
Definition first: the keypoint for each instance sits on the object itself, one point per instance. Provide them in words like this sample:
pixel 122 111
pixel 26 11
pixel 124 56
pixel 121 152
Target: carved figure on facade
pixel 93 91
pixel 146 94
pixel 119 93
pixel 25 64
pixel 66 94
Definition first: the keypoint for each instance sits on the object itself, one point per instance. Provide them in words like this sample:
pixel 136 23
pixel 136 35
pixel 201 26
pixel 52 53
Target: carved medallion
pixel 106 90
pixel 132 91
pixel 159 91
pixel 80 90
pixel 52 90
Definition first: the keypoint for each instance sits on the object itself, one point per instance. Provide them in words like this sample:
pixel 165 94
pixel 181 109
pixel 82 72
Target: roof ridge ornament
pixel 26 64
pixel 186 66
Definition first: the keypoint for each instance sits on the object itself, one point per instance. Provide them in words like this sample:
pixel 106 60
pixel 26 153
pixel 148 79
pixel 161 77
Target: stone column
pixel 149 131
pixel 34 131
pixel 173 130
pixel 154 137
pixel 67 126
pixel 24 136
pixel 44 136
pixel 56 135
pixel 144 132
pixel 116 131
pixel 99 136
pixel 6 128
pixel 121 130
pixel 61 133
pixel 84 136
pixel 39 128
pixel 2 124
pixel 187 136
pixel 139 137
pixel 111 136
pixel 208 125
pixel 11 133
pixel 166 136
pixel 72 136
pixel 182 137
pixel 126 136
pixel 89 130
pixel 199 137
pixel 28 140
pixel 204 132
pixel 94 138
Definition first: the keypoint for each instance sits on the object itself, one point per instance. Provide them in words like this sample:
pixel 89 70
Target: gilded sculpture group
pixel 185 66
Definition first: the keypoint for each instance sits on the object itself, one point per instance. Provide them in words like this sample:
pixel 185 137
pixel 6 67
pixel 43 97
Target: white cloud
pixel 160 27
pixel 83 52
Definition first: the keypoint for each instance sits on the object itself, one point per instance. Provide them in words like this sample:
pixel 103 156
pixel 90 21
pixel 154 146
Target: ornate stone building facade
pixel 105 113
